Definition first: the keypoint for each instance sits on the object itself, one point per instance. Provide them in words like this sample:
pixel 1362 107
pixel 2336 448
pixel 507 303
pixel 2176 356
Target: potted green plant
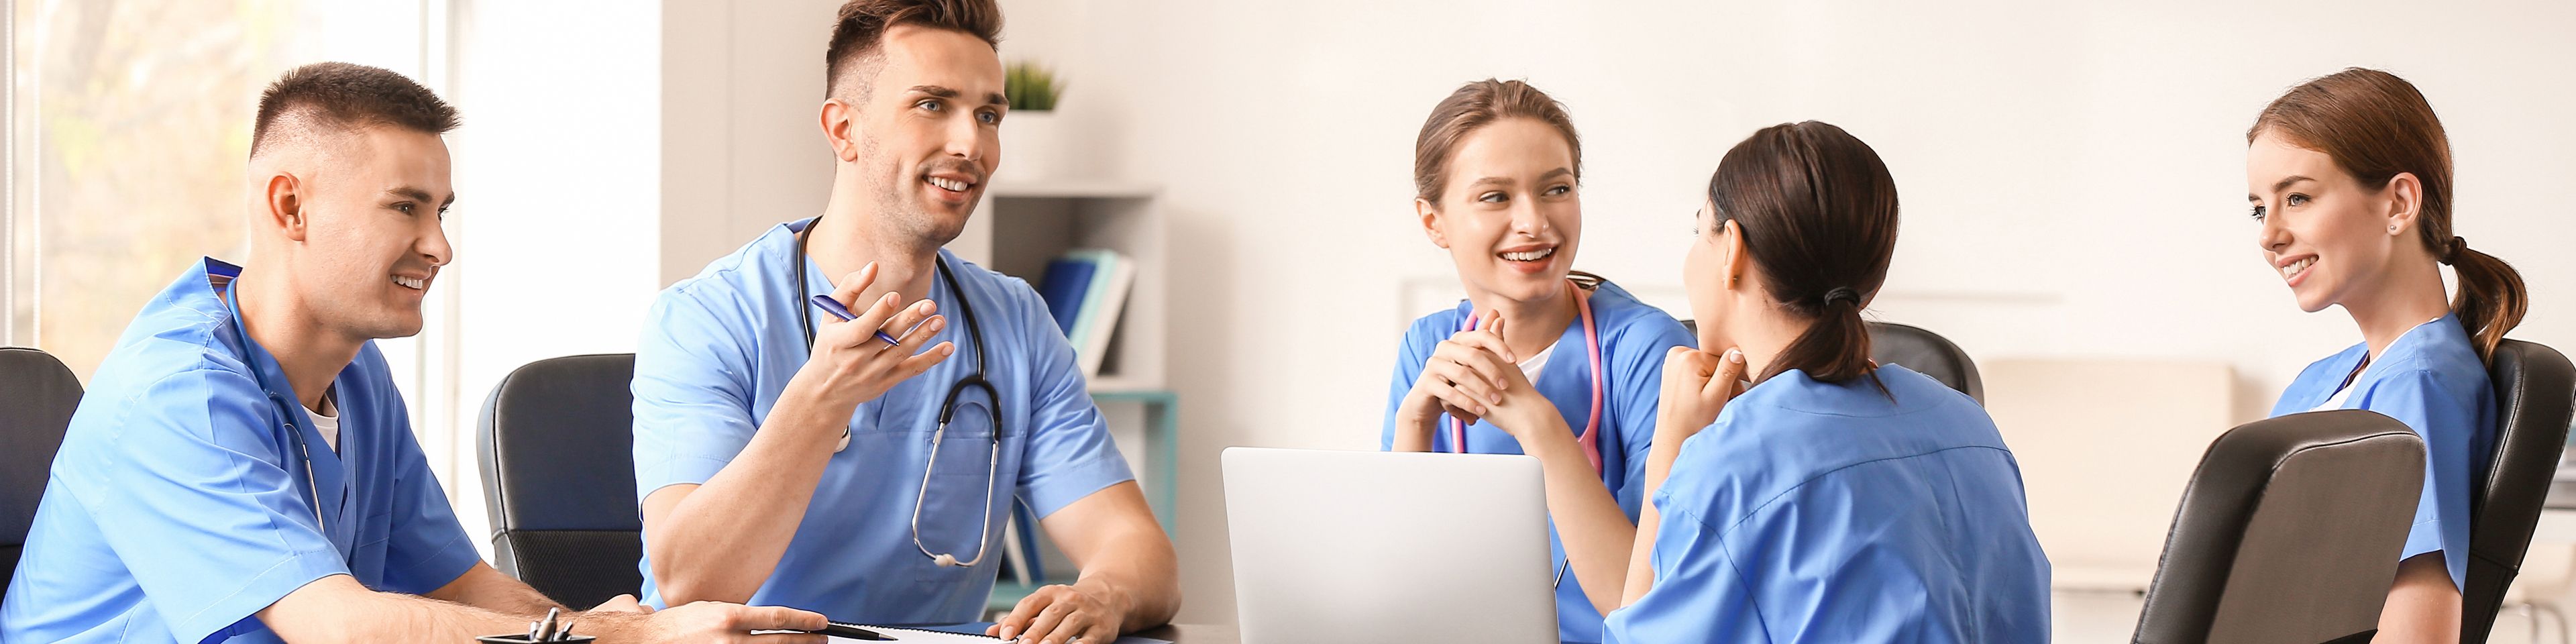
pixel 1032 140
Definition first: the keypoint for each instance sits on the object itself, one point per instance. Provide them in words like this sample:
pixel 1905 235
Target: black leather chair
pixel 1918 349
pixel 557 449
pixel 1926 353
pixel 2535 389
pixel 41 394
pixel 2288 533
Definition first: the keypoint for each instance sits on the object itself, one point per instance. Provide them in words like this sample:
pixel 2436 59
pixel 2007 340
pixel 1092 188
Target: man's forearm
pixel 483 587
pixel 721 540
pixel 1148 578
pixel 339 609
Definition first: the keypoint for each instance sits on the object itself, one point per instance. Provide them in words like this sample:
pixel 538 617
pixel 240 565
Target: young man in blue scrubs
pixel 784 456
pixel 242 468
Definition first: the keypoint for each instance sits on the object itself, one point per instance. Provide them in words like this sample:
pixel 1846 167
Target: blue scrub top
pixel 718 349
pixel 2434 382
pixel 179 506
pixel 1634 339
pixel 1815 512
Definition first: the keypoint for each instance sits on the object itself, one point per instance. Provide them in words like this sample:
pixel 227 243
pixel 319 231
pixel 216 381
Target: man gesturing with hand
pixel 866 469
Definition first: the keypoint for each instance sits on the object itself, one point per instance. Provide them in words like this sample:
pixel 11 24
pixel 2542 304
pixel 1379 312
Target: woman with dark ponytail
pixel 1832 499
pixel 2349 176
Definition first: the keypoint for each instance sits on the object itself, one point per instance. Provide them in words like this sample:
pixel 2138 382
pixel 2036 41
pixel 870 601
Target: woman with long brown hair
pixel 2349 177
pixel 1833 500
pixel 1539 359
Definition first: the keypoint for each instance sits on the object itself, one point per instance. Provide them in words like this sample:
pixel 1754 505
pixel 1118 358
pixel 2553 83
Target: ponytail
pixel 2492 297
pixel 1835 348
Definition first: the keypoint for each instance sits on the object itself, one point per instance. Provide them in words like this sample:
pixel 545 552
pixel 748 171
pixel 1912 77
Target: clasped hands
pixel 1474 376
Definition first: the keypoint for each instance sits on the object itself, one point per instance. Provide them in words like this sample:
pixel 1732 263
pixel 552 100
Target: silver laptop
pixel 1333 546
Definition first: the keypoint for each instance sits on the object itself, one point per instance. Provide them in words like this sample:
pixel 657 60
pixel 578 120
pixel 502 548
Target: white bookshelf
pixel 1021 226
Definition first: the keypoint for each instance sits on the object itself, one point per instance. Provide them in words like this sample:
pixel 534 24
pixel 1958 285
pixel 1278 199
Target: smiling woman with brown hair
pixel 1538 359
pixel 2349 176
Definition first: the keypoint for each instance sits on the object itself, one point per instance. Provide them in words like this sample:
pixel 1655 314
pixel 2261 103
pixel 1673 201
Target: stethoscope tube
pixel 947 407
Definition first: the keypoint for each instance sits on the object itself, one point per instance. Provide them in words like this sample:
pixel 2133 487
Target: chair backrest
pixel 1918 349
pixel 41 394
pixel 557 451
pixel 2289 532
pixel 2535 388
pixel 1926 353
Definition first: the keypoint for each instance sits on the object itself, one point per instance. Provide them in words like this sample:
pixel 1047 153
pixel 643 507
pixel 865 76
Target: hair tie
pixel 2451 253
pixel 1841 293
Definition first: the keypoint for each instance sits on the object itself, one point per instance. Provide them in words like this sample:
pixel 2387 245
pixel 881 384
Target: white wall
pixel 742 142
pixel 2072 175
pixel 557 211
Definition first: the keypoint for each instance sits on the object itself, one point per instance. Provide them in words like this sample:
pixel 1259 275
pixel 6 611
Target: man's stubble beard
pixel 899 202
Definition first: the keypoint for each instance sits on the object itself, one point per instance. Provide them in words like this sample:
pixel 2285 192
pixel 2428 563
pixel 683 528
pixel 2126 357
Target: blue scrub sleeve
pixel 191 493
pixel 428 549
pixel 2441 512
pixel 1698 595
pixel 1069 454
pixel 692 394
pixel 1414 352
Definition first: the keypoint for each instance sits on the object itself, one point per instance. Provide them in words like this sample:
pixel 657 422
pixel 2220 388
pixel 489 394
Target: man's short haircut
pixel 344 96
pixel 860 32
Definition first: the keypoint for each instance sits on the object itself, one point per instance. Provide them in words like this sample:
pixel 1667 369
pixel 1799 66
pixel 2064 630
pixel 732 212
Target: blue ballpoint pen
pixel 832 306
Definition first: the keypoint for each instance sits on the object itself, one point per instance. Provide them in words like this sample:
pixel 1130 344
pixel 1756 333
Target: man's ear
pixel 285 199
pixel 1430 221
pixel 2405 201
pixel 841 129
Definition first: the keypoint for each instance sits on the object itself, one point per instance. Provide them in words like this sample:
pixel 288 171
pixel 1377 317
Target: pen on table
pixel 832 306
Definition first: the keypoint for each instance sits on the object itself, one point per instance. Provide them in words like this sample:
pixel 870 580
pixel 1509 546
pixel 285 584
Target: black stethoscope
pixel 947 408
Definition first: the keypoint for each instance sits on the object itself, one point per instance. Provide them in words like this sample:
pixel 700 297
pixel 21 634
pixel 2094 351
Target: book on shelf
pixel 1085 290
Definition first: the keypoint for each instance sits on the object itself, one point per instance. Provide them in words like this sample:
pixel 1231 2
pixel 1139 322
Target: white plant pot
pixel 1032 147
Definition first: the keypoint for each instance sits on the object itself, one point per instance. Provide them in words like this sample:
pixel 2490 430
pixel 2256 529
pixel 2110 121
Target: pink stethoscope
pixel 1590 439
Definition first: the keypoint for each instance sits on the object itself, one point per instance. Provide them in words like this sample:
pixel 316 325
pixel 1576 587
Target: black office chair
pixel 1926 353
pixel 2535 388
pixel 41 395
pixel 2288 533
pixel 557 449
pixel 1918 349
